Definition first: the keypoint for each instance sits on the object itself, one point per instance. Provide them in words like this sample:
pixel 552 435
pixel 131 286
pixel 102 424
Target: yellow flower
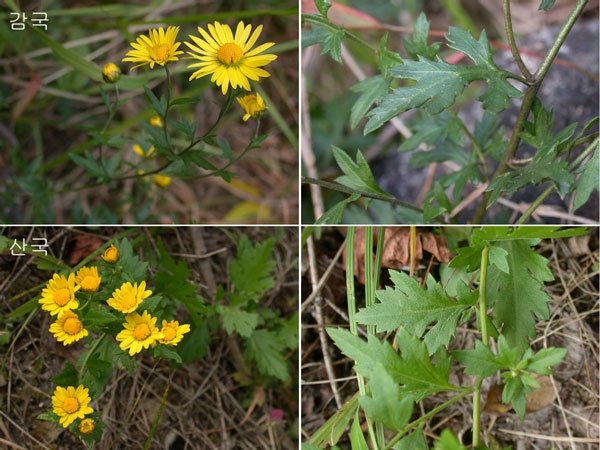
pixel 88 279
pixel 128 297
pixel 59 295
pixel 87 426
pixel 111 73
pixel 156 121
pixel 229 58
pixel 162 180
pixel 140 151
pixel 111 254
pixel 70 404
pixel 253 105
pixel 156 48
pixel 173 332
pixel 68 328
pixel 140 332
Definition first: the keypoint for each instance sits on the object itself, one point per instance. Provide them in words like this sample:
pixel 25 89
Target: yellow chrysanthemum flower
pixel 173 332
pixel 87 426
pixel 128 297
pixel 253 105
pixel 68 328
pixel 111 254
pixel 144 154
pixel 156 48
pixel 140 332
pixel 70 404
pixel 59 295
pixel 230 59
pixel 88 279
pixel 162 180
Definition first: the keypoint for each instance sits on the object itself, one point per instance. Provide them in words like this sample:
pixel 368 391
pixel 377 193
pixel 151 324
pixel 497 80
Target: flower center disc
pixel 230 53
pixel 70 405
pixel 141 332
pixel 62 297
pixel 160 53
pixel 72 326
pixel 169 333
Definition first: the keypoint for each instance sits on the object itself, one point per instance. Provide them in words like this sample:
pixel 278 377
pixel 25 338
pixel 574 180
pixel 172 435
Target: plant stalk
pixel 485 339
pixel 530 95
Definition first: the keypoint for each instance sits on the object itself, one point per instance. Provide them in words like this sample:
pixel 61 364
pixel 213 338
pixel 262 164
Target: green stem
pixel 512 42
pixel 426 417
pixel 485 339
pixel 169 86
pixel 347 190
pixel 560 39
pixel 87 357
pixel 528 99
pixel 369 300
pixel 483 295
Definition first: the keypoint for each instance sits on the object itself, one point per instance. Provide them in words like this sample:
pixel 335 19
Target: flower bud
pixel 111 254
pixel 111 73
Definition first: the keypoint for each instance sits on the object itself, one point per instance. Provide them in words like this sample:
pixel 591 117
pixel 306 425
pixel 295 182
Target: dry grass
pixel 207 406
pixel 570 422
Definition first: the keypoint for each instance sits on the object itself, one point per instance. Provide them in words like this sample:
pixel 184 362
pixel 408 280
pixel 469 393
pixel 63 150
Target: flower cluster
pixel 69 298
pixel 229 58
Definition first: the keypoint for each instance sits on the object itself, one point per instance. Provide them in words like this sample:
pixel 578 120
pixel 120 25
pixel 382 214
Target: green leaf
pixel 89 163
pixel 334 214
pixel 332 430
pixel 357 175
pixel 514 393
pixel 438 83
pixel 171 278
pixel 322 6
pixel 414 369
pixel 371 90
pixel 330 37
pixel 160 106
pixel 251 270
pixel 448 442
pixel 479 361
pixel 130 263
pixel 545 166
pixel 415 307
pixel 497 256
pixel 357 438
pixel 546 5
pixel 433 129
pixel 167 352
pixel 68 377
pixel 539 133
pixel 237 320
pixel 417 45
pixel 519 293
pixel 414 441
pixel 96 317
pixel 546 358
pixel 268 351
pixel 387 404
pixel 587 182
